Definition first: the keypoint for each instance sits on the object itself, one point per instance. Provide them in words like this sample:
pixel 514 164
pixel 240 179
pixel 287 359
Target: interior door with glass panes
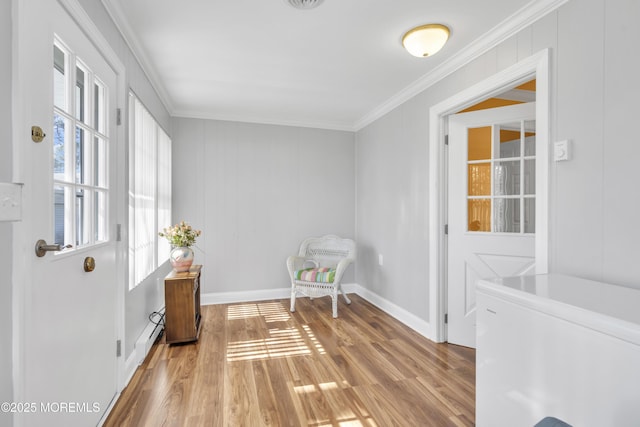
pixel 68 361
pixel 491 206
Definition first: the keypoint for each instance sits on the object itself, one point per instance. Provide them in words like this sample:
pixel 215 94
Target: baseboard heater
pixel 147 338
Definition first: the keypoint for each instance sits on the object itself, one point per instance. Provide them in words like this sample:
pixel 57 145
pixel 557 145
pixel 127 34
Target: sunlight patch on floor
pixel 272 311
pixel 310 388
pixel 281 343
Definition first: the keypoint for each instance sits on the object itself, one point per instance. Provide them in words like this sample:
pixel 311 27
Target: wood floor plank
pixel 256 364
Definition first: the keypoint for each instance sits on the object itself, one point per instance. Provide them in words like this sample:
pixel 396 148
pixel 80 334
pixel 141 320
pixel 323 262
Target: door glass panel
pixel 509 146
pixel 59 78
pixel 529 215
pixel 99 160
pixel 479 147
pixel 530 176
pixel 479 214
pixel 506 215
pixel 81 157
pixel 100 209
pixel 530 138
pixel 98 108
pixel 81 93
pixel 506 178
pixel 479 176
pixel 59 209
pixel 82 210
pixel 59 147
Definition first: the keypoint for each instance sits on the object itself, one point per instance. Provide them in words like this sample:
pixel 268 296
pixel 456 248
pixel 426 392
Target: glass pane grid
pixel 501 178
pixel 80 152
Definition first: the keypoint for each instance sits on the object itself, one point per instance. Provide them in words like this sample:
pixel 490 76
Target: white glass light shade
pixel 425 40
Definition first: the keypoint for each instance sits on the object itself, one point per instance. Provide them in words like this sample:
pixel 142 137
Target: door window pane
pixel 479 214
pixel 530 138
pixel 509 140
pixel 82 210
pixel 98 107
pixel 59 215
pixel 99 162
pixel 100 212
pixel 506 178
pixel 529 215
pixel 479 176
pixel 59 147
pixel 80 169
pixel 479 147
pixel 81 93
pixel 507 215
pixel 530 176
pixel 59 78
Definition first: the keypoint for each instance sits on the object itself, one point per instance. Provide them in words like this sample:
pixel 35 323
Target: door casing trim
pixel 536 65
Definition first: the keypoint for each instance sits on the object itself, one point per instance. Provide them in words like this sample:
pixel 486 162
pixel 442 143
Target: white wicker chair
pixel 318 268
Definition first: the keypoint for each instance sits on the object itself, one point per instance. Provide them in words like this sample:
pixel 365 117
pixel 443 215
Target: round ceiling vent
pixel 304 4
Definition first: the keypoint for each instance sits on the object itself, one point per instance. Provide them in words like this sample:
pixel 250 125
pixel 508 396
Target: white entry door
pixel 68 313
pixel 491 206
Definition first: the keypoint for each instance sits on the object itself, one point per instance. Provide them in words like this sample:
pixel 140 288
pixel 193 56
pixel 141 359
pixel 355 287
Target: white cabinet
pixel 555 345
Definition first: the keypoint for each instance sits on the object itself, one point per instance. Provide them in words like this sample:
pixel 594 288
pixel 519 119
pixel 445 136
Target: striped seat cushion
pixel 322 274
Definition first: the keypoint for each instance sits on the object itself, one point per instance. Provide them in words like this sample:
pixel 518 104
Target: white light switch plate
pixel 561 150
pixel 10 201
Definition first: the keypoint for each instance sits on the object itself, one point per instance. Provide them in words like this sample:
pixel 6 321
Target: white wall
pixel 594 197
pixel 256 191
pixel 6 318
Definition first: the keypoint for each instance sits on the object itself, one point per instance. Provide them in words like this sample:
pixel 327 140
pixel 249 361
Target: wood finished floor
pixel 257 364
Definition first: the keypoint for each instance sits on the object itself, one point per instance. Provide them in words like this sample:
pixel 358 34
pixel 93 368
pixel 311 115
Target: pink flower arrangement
pixel 180 235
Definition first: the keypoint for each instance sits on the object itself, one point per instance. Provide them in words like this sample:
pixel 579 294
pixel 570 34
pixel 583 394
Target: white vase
pixel 181 258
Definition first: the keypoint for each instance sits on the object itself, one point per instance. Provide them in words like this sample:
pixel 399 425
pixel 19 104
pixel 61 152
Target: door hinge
pixel 446 140
pixel 446 318
pixel 118 348
pixel 446 229
pixel 118 116
pixel 118 232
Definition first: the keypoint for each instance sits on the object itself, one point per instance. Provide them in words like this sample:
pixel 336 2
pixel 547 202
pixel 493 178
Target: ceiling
pixel 338 66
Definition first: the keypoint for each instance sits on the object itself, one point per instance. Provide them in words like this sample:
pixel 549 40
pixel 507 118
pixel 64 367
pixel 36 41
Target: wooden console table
pixel 182 305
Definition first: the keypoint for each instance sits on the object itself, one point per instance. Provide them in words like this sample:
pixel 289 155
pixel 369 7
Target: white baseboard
pixel 244 296
pixel 262 295
pixel 130 366
pixel 411 320
pixel 419 325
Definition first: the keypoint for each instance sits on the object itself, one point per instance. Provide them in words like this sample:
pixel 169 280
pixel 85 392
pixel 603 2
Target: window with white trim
pixel 149 192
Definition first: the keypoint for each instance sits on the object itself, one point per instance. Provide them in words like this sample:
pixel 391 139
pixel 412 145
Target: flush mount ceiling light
pixel 425 40
pixel 304 4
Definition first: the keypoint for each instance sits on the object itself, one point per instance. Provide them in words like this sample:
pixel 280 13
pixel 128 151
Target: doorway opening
pixel 535 67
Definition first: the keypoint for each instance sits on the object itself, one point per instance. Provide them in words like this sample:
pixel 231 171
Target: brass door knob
pixel 89 264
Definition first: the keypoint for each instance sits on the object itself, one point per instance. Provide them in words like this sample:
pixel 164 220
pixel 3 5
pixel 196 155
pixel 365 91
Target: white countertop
pixel 610 309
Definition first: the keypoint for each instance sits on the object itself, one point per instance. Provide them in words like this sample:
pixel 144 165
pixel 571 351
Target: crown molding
pixel 339 126
pixel 524 17
pixel 119 19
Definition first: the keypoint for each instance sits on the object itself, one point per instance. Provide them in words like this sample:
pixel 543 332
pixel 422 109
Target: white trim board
pixel 213 298
pixel 536 65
